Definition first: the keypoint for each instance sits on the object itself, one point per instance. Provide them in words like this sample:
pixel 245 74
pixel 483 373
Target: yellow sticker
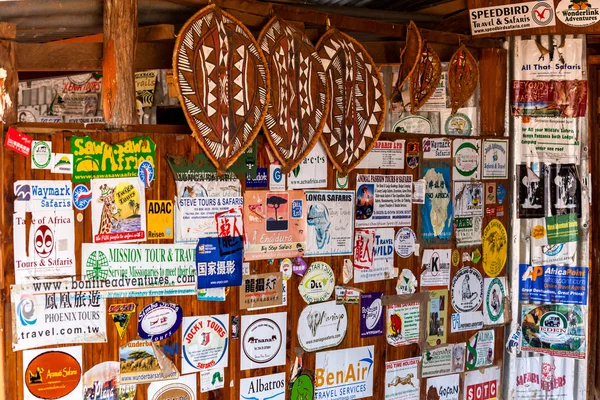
pixel 455 258
pixel 495 248
pixel 538 232
pixel 160 219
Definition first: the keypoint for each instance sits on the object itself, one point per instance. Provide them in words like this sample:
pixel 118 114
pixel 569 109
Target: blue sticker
pixel 260 182
pixel 500 193
pixel 159 321
pixel 437 209
pixel 553 284
pixel 82 197
pixel 297 209
pixel 216 269
pixel 146 173
pixel 277 175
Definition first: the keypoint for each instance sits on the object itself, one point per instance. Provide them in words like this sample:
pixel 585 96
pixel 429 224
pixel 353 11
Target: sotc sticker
pixel 82 197
pixel 146 173
pixel 495 252
pixel 404 243
pixel 159 321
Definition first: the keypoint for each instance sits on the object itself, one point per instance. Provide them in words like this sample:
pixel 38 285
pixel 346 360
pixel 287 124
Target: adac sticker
pixel 121 315
pixel 159 321
pixel 317 284
pixel 146 173
pixel 82 196
pixel 495 252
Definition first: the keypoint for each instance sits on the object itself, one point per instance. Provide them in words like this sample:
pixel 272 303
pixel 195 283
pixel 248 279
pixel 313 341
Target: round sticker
pixel 41 154
pixel 405 242
pixel 455 258
pixel 81 197
pixel 467 290
pixel 52 375
pixel 205 342
pixel 79 217
pixel 341 182
pixel 495 243
pixel 146 173
pixel 286 268
pixel 577 13
pixel 159 321
pixel 466 159
pixel 458 124
pixel 303 387
pixel 262 341
pixel 494 300
pixel 407 283
pixel 317 284
pixel 299 266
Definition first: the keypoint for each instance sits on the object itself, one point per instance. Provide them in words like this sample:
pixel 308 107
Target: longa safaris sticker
pixel 495 244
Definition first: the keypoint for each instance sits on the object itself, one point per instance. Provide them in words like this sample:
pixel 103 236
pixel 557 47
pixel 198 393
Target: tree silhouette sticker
pixel 277 212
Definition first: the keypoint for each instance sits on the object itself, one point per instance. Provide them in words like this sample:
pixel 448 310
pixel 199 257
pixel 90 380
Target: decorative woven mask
pixel 463 75
pixel 410 55
pixel 357 109
pixel 223 84
pixel 425 79
pixel 299 96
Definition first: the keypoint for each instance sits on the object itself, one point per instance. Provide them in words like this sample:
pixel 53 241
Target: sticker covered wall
pixel 383 200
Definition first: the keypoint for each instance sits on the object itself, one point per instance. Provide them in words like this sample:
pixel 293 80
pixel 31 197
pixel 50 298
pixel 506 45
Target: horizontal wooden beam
pixel 152 33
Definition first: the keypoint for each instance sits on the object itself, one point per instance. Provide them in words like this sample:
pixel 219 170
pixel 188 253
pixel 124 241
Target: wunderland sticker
pixel 205 343
pixel 405 241
pixel 494 290
pixel 483 384
pixel 263 387
pixel 53 373
pixel 466 159
pixel 557 330
pixel 446 387
pixel 443 360
pixel 321 326
pixel 403 323
pixel 118 210
pixel 371 314
pixel 467 290
pixel 401 379
pixel 495 156
pixel 553 284
pixel 182 388
pixel 159 321
pixel 142 361
pixel 330 221
pixel 55 312
pixel 127 270
pixel 545 376
pixel 263 340
pixel 317 283
pixel 345 373
pixel 480 350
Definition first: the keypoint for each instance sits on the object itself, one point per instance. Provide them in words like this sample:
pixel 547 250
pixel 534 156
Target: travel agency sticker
pixel 263 387
pixel 578 13
pixel 41 155
pixel 437 209
pixel 182 388
pixel 466 159
pixel 263 340
pixel 480 350
pixel 345 373
pixel 159 321
pixel 383 200
pixel 467 290
pixel 405 241
pixel 495 156
pixel 445 387
pixel 53 373
pixel 317 283
pixel 205 343
pixel 118 210
pixel 401 379
pixel 403 323
pixel 371 314
pixel 329 232
pixel 444 360
pixel 495 248
pixel 494 290
pixel 322 325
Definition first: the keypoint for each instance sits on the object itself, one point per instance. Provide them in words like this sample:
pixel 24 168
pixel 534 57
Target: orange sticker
pixel 52 375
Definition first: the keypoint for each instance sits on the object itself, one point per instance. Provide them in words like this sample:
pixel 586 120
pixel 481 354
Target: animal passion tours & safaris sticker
pixel 383 200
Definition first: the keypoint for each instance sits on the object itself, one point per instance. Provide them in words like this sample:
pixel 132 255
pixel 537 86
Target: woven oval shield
pixel 410 55
pixel 299 95
pixel 223 84
pixel 425 79
pixel 463 75
pixel 357 108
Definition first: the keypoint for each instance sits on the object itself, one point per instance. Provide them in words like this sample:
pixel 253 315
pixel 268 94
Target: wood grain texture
pixel 8 30
pixel 492 84
pixel 16 167
pixel 120 38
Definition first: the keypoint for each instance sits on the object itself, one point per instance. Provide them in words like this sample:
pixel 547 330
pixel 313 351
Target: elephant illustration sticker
pixel 118 210
pixel 321 326
pixel 403 323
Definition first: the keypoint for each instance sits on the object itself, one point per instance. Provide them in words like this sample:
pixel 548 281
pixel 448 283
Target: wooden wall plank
pixel 492 81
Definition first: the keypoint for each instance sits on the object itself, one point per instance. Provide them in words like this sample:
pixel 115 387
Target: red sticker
pixel 18 141
pixel 490 211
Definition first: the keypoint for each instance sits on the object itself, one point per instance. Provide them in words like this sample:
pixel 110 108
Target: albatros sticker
pixel 317 284
pixel 263 340
pixel 263 387
pixel 321 326
pixel 344 374
pixel 53 373
pixel 159 321
pixel 467 290
pixel 205 343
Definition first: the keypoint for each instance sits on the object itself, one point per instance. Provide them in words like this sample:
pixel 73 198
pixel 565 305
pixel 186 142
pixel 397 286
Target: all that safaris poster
pixel 118 210
pixel 530 182
pixel 274 224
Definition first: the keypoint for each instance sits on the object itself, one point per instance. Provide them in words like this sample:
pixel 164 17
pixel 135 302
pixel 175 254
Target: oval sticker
pixel 174 391
pixel 317 284
pixel 321 326
pixel 159 321
pixel 52 375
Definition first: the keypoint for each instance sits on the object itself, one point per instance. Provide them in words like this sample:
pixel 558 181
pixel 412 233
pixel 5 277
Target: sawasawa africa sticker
pixel 495 243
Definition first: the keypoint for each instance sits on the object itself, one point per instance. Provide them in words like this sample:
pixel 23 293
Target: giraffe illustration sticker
pixel 118 210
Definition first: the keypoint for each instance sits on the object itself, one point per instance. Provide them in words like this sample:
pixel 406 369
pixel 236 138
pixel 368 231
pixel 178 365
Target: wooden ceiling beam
pixel 152 33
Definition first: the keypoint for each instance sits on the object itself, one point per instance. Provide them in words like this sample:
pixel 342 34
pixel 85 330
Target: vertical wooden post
pixel 9 78
pixel 492 83
pixel 118 63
